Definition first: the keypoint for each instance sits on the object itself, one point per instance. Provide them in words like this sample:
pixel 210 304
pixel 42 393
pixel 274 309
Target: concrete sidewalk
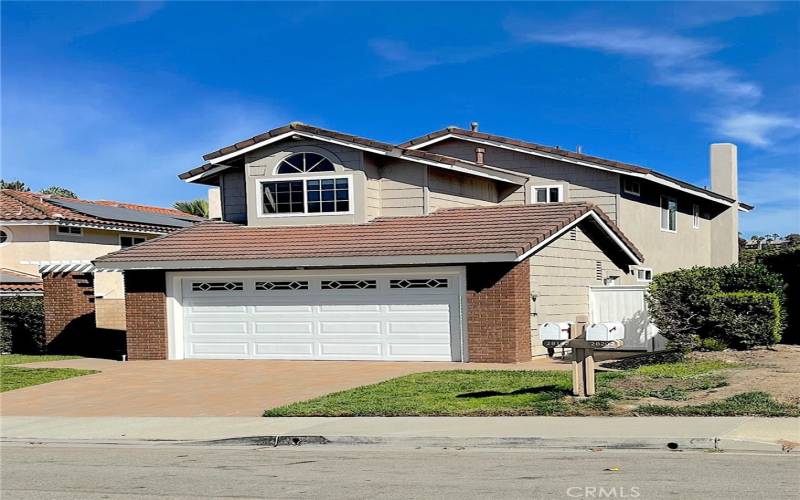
pixel 726 433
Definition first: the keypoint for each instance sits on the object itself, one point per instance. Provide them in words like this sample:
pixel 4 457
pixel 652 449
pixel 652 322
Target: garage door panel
pixel 218 327
pixel 350 350
pixel 314 323
pixel 284 349
pixel 282 328
pixel 217 349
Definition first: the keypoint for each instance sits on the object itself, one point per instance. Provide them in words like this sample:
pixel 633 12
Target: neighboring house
pixel 454 246
pixel 62 234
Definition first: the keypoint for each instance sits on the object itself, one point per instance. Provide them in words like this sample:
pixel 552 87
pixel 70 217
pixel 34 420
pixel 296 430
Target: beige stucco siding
pixel 579 183
pixel 560 276
pixel 640 220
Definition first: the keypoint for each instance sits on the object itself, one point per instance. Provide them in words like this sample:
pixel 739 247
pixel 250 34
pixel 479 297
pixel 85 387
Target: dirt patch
pixel 775 371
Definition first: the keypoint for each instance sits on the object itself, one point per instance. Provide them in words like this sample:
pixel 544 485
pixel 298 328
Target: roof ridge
pixel 28 203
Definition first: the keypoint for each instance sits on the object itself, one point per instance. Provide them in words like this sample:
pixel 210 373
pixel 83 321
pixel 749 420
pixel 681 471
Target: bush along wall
pixel 743 320
pixel 681 302
pixel 787 264
pixel 22 325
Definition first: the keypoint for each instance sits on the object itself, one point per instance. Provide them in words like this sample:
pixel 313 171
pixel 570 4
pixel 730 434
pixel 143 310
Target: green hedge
pixel 22 325
pixel 786 263
pixel 680 302
pixel 743 320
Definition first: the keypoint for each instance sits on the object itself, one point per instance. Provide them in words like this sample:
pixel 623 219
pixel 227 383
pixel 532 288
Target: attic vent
pixel 598 270
pixel 573 233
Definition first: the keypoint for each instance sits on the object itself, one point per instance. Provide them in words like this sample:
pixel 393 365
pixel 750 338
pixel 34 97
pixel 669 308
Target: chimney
pixel 725 226
pixel 214 204
pixel 473 126
pixel 479 152
pixel 724 170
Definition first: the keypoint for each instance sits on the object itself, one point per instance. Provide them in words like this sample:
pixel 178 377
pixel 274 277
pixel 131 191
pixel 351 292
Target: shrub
pixel 711 344
pixel 786 263
pixel 23 324
pixel 744 320
pixel 679 302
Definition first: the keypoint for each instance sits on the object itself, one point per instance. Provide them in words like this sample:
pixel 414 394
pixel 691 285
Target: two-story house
pixel 453 246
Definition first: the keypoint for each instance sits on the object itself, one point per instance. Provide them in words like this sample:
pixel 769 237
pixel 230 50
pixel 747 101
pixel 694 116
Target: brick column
pixel 69 316
pixel 499 312
pixel 146 314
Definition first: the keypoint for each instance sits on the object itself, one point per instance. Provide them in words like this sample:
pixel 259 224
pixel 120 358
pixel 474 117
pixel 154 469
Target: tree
pixel 197 207
pixel 793 238
pixel 15 185
pixel 59 191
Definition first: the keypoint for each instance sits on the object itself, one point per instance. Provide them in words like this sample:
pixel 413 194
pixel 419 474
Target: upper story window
pixel 696 216
pixel 632 186
pixel 305 162
pixel 129 241
pixel 548 194
pixel 71 230
pixel 5 237
pixel 306 196
pixel 669 214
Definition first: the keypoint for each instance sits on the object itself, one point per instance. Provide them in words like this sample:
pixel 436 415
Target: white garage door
pixel 302 316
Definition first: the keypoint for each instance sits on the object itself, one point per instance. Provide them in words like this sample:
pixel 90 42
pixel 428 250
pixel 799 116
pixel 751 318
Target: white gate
pixel 626 304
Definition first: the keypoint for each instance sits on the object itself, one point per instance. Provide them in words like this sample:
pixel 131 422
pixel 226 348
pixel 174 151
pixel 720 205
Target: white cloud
pixel 758 129
pixel 401 58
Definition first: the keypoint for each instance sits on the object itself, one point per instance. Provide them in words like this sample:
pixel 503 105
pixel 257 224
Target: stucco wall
pixel 44 243
pixel 640 220
pixel 560 276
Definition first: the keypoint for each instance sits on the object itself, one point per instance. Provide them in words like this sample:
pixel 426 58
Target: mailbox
pixel 554 331
pixel 605 332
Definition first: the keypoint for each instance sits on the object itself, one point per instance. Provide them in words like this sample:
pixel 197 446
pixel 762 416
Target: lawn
pixel 15 377
pixel 481 393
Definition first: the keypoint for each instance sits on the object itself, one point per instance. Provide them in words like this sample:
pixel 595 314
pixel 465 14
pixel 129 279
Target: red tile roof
pixel 20 205
pixel 14 282
pixel 508 230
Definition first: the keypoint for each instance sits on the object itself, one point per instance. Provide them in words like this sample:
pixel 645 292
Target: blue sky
pixel 114 99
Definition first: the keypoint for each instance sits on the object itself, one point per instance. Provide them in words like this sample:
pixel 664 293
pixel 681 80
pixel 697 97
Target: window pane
pixel 125 242
pixel 313 184
pixel 327 184
pixel 314 207
pixel 313 195
pixel 553 195
pixel 541 195
pixel 341 183
pixel 328 206
pixel 342 206
pixel 296 161
pixel 327 195
pixel 341 194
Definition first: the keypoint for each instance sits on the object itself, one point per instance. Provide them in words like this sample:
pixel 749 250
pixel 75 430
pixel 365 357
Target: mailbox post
pixel 583 340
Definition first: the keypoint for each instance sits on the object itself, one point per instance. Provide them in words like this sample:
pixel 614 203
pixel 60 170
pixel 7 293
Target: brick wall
pixel 499 312
pixel 69 321
pixel 146 314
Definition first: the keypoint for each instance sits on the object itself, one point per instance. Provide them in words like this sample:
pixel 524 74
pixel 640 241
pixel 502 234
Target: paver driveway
pixel 208 388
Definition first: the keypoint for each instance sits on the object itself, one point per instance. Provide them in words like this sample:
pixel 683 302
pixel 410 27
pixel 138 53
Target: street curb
pixel 596 444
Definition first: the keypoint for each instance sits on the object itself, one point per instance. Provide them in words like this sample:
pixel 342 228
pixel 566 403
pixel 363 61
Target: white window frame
pixel 645 270
pixel 283 177
pixel 132 238
pixel 696 216
pixel 9 236
pixel 548 187
pixel 661 210
pixel 69 232
pixel 638 184
pixel 280 162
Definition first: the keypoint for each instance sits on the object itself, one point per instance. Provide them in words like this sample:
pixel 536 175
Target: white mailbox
pixel 605 332
pixel 554 331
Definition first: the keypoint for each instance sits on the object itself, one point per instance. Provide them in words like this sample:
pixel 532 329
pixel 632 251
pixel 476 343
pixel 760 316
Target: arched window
pixel 305 162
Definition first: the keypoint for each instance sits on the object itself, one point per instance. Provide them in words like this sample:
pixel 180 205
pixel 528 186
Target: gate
pixel 626 304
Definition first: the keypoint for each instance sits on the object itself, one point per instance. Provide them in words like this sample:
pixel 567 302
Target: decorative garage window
pixel 349 285
pixel 419 283
pixel 217 286
pixel 268 286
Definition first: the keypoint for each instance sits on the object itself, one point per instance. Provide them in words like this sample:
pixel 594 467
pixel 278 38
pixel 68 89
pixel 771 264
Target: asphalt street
pixel 325 471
